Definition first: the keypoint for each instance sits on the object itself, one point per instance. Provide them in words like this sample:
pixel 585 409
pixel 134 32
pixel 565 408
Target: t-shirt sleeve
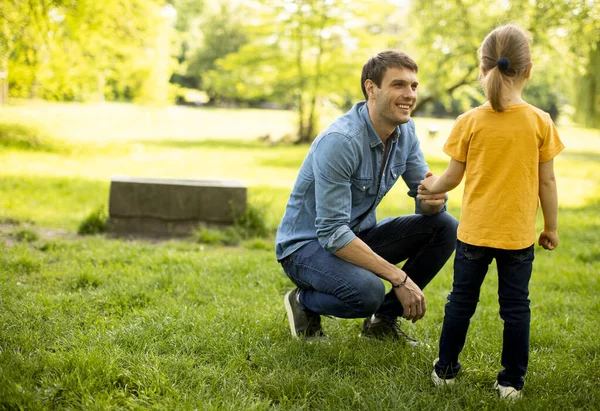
pixel 457 144
pixel 551 144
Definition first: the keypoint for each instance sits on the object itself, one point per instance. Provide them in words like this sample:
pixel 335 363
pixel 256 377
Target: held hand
pixel 432 200
pixel 412 299
pixel 423 193
pixel 548 240
pixel 428 182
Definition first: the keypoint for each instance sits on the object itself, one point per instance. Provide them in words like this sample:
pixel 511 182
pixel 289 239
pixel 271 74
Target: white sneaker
pixel 507 393
pixel 439 381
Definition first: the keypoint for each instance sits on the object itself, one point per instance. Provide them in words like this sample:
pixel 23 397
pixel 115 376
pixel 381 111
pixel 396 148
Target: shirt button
pixel 364 188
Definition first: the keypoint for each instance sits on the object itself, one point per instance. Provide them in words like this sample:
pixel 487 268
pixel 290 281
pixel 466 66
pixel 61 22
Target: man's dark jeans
pixel 514 272
pixel 333 286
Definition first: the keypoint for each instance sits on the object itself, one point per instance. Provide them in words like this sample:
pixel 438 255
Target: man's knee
pixel 446 227
pixel 372 294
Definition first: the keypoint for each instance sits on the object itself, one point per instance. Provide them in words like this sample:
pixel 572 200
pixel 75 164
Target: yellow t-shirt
pixel 502 152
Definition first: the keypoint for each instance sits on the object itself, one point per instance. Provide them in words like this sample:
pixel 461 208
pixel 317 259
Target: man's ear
pixel 370 87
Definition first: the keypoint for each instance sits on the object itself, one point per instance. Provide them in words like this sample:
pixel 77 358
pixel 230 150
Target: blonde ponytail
pixel 504 57
pixel 495 89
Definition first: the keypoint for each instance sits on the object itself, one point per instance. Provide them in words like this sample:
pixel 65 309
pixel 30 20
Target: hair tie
pixel 503 64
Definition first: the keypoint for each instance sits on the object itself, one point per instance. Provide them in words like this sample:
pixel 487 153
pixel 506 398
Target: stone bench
pixel 171 207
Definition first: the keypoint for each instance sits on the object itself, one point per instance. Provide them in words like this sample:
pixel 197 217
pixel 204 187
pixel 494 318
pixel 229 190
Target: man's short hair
pixel 375 68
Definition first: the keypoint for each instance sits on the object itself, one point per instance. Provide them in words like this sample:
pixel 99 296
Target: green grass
pixel 98 323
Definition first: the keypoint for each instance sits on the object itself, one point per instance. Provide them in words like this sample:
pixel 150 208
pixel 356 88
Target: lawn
pixel 100 323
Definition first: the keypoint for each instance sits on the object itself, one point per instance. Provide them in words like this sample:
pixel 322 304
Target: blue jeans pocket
pixel 526 254
pixel 472 252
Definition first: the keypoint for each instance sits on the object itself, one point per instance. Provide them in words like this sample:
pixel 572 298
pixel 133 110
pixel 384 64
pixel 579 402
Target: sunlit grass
pixel 99 323
pixel 103 123
pixel 181 142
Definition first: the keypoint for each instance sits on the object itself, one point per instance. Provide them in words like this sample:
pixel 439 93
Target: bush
pixel 252 224
pixel 95 223
pixel 24 137
pixel 26 235
pixel 212 235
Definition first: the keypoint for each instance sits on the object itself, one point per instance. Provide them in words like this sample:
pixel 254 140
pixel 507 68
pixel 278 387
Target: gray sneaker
pixel 386 330
pixel 507 393
pixel 303 323
pixel 440 381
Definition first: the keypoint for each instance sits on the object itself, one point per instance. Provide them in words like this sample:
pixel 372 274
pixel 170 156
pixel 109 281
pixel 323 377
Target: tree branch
pixel 433 97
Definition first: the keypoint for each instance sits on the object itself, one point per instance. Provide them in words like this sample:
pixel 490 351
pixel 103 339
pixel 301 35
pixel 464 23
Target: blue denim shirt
pixel 341 182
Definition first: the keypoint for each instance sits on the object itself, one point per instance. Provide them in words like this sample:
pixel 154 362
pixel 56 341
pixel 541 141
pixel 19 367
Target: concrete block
pixel 171 207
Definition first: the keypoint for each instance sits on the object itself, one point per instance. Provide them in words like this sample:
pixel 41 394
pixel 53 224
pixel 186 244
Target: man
pixel 329 242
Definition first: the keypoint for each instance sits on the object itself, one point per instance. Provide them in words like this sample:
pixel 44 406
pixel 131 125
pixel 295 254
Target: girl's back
pixel 502 151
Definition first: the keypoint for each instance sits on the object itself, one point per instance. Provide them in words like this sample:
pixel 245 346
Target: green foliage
pixel 298 54
pixel 85 50
pixel 587 101
pixel 250 225
pixel 94 223
pixel 259 244
pixel 23 137
pixel 563 32
pixel 223 33
pixel 227 236
pixel 253 222
pixel 188 11
pixel 26 235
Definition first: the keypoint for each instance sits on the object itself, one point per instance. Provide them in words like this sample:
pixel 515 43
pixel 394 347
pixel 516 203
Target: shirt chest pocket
pixel 394 174
pixel 361 188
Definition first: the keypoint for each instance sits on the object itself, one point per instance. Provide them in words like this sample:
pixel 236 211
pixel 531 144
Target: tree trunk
pixel 101 85
pixel 313 117
pixel 4 83
pixel 301 80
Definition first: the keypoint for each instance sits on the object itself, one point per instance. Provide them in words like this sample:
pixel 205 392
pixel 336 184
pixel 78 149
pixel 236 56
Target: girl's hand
pixel 548 240
pixel 428 183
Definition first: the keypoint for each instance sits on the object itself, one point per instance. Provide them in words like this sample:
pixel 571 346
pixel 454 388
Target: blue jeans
pixel 514 272
pixel 333 286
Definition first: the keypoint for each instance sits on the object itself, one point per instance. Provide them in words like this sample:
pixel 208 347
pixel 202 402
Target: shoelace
pixel 401 333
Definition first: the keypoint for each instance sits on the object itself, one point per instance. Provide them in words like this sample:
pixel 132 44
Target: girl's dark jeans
pixel 514 272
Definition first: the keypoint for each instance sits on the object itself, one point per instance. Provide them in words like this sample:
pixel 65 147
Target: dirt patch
pixel 11 231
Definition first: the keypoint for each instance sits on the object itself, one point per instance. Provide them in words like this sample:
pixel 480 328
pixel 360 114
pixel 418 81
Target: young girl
pixel 506 149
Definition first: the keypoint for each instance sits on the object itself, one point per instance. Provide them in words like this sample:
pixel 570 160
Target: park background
pixel 237 90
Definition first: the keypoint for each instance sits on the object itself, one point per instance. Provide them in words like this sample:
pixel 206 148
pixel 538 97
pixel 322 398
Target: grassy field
pixel 99 323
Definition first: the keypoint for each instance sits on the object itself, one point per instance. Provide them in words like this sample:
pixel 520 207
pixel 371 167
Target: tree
pixel 223 33
pixel 188 39
pixel 300 51
pixel 20 20
pixel 78 50
pixel 447 35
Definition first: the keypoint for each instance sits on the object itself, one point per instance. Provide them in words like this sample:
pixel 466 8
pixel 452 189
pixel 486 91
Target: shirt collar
pixel 374 139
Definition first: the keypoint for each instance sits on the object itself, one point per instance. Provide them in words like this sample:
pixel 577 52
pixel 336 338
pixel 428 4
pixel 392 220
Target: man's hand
pixel 548 240
pixel 412 299
pixel 432 201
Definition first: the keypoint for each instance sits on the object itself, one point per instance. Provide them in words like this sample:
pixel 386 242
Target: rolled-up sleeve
pixel 334 160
